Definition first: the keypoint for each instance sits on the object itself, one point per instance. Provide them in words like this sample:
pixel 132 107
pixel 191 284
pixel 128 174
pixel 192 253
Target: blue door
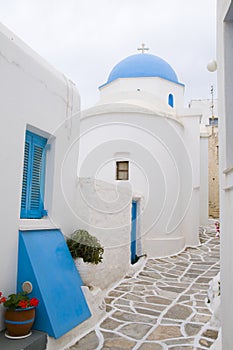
pixel 133 233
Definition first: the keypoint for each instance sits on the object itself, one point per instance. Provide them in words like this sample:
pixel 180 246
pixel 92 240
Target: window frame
pixel 118 170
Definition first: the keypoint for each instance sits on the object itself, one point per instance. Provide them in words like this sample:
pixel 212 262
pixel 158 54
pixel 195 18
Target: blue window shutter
pixel 25 179
pixel 32 201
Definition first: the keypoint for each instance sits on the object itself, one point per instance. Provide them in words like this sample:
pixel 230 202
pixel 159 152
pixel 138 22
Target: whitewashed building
pixel 138 191
pixel 40 118
pixel 38 182
pixel 139 135
pixel 225 92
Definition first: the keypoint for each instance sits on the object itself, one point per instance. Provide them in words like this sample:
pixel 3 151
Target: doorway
pixel 133 247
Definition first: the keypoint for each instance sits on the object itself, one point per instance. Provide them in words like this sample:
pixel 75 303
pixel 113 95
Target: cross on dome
pixel 143 48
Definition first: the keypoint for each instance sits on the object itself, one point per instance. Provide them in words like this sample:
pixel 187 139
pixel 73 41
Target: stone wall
pixel 213 174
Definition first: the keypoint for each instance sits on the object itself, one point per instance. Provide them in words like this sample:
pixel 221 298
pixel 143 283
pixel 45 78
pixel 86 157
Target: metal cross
pixel 143 48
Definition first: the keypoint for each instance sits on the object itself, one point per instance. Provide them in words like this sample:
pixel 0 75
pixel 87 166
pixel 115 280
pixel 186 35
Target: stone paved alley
pixel 163 306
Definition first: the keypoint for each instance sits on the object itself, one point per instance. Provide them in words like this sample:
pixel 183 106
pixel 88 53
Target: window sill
pixel 36 224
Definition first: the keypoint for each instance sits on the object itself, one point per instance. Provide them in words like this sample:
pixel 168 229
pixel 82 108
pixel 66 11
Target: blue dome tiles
pixel 143 65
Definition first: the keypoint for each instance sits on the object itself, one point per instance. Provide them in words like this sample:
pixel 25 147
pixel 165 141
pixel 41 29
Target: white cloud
pixel 86 38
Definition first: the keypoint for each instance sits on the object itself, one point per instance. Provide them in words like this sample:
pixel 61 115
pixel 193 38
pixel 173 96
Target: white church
pixel 127 170
pixel 139 135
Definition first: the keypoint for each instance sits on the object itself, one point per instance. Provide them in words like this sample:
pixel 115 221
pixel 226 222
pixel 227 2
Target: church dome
pixel 143 65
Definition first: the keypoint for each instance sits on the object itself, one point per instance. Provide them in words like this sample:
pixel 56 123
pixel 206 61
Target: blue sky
pixel 84 39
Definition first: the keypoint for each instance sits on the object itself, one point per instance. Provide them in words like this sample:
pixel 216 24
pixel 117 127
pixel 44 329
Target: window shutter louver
pixel 32 202
pixel 25 179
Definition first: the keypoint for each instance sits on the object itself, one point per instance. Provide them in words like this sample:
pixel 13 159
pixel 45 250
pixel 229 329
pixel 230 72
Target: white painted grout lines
pixel 140 319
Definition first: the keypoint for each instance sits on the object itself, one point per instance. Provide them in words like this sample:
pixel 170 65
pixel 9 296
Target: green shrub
pixel 83 245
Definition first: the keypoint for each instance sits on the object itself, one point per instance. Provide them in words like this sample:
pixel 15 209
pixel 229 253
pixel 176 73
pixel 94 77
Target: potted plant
pixel 87 252
pixel 19 314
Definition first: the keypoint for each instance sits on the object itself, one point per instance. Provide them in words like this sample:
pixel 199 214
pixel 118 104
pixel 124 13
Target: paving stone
pixel 150 346
pixel 179 311
pixel 202 310
pixel 192 329
pixel 182 263
pixel 151 274
pixel 210 333
pixel 121 301
pixel 160 268
pixel 201 303
pixel 165 332
pixel 203 280
pixel 124 308
pixel 183 298
pixel 145 283
pixel 132 317
pixel 89 342
pixel 115 342
pixel 110 324
pixel 115 294
pixel 191 291
pixel 205 343
pixel 138 287
pixel 200 318
pixel 180 341
pixel 148 312
pixel 167 294
pixel 133 297
pixel 168 275
pixel 158 300
pixel 171 322
pixel 149 293
pixel 108 308
pixel 190 275
pixel 200 296
pixel 123 288
pixel 135 330
pixel 195 271
pixel 150 306
pixel 177 270
pixel 210 274
pixel 108 300
pixel 174 289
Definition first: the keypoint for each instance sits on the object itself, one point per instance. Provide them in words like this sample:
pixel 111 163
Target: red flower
pixel 34 302
pixel 23 304
pixel 2 300
pixel 0 294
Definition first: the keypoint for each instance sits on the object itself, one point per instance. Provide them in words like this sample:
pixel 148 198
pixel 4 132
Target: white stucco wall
pixel 205 108
pixel 105 211
pixel 164 163
pixel 158 88
pixel 36 97
pixel 225 91
pixel 204 195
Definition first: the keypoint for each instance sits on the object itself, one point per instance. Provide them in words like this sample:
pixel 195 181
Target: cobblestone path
pixel 163 306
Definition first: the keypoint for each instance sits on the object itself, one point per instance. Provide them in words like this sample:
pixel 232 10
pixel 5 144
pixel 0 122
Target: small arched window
pixel 171 100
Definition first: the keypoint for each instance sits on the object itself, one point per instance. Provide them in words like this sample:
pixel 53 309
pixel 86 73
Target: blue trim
pixel 105 84
pixel 20 322
pixel 133 232
pixel 32 200
pixel 171 100
pixel 45 260
pixel 25 309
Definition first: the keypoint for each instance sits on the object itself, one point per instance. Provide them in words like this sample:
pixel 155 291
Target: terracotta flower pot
pixel 19 322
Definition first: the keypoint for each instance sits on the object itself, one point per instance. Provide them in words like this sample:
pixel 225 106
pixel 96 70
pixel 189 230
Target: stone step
pixel 36 341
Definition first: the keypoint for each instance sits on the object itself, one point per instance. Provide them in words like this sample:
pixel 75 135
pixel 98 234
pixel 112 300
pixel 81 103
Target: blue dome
pixel 143 65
